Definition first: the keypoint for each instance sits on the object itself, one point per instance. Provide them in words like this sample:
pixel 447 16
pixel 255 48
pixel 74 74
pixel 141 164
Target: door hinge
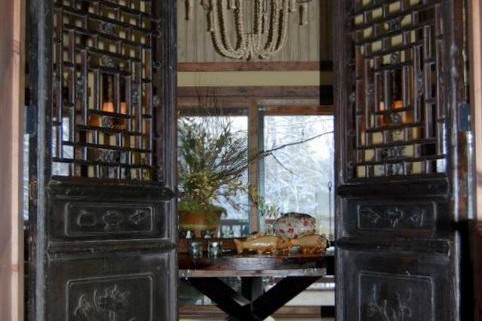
pixel 464 117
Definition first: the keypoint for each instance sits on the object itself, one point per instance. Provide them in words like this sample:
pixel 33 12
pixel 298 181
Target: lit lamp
pixel 108 107
pixel 123 108
pixel 381 118
pixel 121 123
pixel 407 116
pixel 397 104
pixel 98 120
pixel 112 121
pixel 394 117
pixel 108 121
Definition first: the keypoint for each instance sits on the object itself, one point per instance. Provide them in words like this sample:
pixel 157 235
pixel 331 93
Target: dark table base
pixel 252 303
pixel 241 307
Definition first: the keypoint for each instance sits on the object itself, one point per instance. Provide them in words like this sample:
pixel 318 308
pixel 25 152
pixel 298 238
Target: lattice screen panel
pixel 102 115
pixel 398 112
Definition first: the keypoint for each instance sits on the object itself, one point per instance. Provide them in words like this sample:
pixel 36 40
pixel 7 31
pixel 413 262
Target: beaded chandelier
pixel 249 29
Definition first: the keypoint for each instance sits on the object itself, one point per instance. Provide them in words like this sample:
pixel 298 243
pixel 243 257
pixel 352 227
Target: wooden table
pixel 294 272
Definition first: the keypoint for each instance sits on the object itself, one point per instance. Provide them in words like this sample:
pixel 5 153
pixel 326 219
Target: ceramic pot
pixel 200 221
pixel 292 225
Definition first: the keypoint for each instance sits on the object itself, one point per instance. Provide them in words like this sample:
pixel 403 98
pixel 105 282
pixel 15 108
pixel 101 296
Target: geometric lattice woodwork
pixel 398 112
pixel 102 111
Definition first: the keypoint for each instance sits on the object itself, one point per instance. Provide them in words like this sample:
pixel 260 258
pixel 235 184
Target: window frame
pixel 255 104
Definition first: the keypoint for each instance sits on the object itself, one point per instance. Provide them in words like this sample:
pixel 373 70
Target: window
pixel 294 175
pixel 211 127
pixel 239 210
pixel 297 175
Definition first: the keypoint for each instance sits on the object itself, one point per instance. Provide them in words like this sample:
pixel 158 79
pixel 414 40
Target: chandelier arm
pixel 265 16
pixel 273 28
pixel 258 16
pixel 215 32
pixel 210 21
pixel 239 25
pixel 284 27
pixel 220 40
pixel 241 43
pixel 224 30
pixel 254 40
pixel 279 31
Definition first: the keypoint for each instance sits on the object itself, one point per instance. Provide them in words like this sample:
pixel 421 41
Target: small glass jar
pixel 207 234
pixel 195 249
pixel 214 248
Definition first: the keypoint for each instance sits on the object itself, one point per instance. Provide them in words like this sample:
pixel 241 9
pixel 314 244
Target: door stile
pixel 461 159
pixel 340 99
pixel 166 132
pixel 39 168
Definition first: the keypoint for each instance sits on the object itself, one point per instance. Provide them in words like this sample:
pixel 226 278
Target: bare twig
pixel 270 151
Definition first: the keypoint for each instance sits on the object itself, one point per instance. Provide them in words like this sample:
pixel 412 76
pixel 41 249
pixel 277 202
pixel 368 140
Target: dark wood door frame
pixel 401 228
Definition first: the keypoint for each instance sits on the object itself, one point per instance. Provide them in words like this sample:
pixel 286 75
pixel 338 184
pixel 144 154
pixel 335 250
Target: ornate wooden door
pixel 403 183
pixel 103 224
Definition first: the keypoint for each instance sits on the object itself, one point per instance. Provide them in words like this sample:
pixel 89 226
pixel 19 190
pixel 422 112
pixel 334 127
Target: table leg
pixel 228 300
pixel 252 287
pixel 280 294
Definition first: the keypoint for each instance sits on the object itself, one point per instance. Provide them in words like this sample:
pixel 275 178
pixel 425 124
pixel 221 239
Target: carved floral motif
pixel 138 217
pixel 106 27
pixel 108 304
pixel 99 219
pixel 390 310
pixel 393 215
pixel 107 61
pixel 112 219
pixel 395 297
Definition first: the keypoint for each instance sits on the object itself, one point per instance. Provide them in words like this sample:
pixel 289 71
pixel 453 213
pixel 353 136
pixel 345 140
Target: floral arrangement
pixel 212 159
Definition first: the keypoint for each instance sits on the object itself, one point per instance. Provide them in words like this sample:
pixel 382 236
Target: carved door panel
pixel 103 224
pixel 402 164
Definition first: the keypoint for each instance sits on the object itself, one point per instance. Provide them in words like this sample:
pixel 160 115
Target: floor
pixel 271 319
